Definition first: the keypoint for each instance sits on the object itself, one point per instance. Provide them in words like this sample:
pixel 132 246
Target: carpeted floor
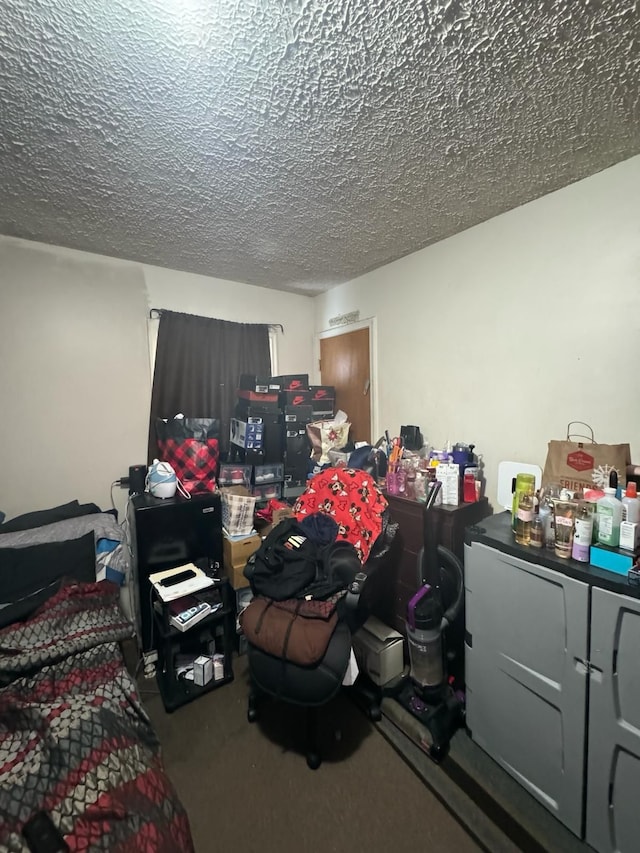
pixel 248 788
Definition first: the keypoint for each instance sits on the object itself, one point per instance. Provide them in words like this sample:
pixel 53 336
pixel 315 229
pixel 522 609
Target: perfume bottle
pixel 524 515
pixel 537 532
pixel 524 483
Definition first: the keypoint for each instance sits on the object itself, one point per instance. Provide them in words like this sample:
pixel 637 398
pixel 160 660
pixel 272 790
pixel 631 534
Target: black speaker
pixel 137 477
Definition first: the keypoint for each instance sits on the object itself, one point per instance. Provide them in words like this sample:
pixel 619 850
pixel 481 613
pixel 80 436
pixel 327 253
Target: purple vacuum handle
pixel 411 606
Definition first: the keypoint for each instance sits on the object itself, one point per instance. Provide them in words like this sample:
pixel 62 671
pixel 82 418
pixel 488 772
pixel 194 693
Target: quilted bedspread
pixel 75 740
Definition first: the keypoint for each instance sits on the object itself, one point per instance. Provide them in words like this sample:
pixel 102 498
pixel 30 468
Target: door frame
pixel 371 324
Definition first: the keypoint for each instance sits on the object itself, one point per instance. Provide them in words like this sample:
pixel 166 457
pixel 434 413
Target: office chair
pixel 312 687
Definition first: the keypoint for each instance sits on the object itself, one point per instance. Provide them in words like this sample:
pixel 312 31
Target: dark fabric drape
pixel 198 364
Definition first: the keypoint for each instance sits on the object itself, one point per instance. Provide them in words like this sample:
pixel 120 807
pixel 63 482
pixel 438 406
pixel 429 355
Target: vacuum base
pixel 440 719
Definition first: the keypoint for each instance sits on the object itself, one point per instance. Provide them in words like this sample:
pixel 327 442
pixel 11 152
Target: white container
pixel 629 536
pixel 631 504
pixel 202 670
pixel 609 512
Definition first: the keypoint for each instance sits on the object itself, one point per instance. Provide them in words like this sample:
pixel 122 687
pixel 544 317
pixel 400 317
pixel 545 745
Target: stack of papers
pixel 237 537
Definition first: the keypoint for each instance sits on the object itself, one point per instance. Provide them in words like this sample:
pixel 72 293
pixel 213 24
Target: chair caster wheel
pixel 313 761
pixel 375 714
pixel 252 715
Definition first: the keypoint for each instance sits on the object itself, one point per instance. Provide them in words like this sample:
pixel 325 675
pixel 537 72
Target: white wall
pixel 75 381
pixel 504 333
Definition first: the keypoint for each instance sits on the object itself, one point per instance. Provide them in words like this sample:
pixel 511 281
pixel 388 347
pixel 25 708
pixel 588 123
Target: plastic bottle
pixel 631 504
pixel 582 532
pixel 524 516
pixel 537 532
pixel 609 512
pixel 524 482
pixel 546 514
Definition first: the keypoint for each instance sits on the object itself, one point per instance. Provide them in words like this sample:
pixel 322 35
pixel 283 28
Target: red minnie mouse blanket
pixel 352 498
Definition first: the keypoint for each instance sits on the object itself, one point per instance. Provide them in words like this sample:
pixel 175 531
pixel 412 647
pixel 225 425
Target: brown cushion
pixel 285 633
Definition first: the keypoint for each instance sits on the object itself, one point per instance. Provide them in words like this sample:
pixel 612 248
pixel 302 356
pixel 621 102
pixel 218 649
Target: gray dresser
pixel 553 681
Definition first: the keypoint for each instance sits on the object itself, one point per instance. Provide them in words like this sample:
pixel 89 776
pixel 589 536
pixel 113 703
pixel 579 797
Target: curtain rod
pixel 158 313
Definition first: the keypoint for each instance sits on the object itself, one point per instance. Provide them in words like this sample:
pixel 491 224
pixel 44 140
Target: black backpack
pixel 288 564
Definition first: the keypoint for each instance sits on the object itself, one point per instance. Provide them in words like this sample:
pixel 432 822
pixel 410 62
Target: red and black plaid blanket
pixel 75 740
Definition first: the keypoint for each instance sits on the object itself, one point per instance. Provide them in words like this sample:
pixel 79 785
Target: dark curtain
pixel 198 364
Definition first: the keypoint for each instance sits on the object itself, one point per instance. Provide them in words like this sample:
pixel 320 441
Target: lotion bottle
pixel 609 512
pixel 582 532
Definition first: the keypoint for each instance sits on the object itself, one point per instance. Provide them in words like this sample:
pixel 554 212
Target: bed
pixel 75 740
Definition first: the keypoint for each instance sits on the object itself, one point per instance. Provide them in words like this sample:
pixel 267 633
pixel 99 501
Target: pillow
pixel 26 572
pixel 47 516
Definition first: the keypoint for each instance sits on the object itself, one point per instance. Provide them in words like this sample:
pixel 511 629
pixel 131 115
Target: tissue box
pixel 629 536
pixel 449 476
pixel 202 670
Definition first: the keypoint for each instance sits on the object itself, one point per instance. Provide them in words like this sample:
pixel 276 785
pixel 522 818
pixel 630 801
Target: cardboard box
pixel 293 381
pixel 322 392
pixel 236 552
pixel 245 409
pixel 297 414
pixel 379 651
pixel 294 398
pixel 236 577
pixel 202 670
pixel 323 409
pixel 449 476
pixel 258 384
pixel 257 398
pixel 247 435
pixel 630 536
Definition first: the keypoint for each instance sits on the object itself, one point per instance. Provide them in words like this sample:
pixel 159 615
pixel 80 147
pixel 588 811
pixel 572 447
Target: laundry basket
pixel 237 513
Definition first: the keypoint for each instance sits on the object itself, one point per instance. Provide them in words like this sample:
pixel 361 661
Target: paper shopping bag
pixel 579 462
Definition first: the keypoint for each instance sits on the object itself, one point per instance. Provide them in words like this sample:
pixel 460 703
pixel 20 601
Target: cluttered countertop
pixel 496 532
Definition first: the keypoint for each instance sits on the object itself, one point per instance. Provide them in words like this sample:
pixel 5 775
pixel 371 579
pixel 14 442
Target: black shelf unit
pixel 168 533
pixel 217 628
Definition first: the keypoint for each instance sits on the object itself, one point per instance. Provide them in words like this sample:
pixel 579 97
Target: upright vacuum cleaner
pixel 427 692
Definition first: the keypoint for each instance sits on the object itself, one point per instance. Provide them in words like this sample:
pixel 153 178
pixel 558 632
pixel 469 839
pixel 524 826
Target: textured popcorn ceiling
pixel 300 143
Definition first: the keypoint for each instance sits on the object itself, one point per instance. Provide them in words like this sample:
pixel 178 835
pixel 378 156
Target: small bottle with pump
pixel 609 513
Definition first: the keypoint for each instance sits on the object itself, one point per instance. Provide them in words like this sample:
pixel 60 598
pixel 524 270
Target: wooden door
pixel 345 363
